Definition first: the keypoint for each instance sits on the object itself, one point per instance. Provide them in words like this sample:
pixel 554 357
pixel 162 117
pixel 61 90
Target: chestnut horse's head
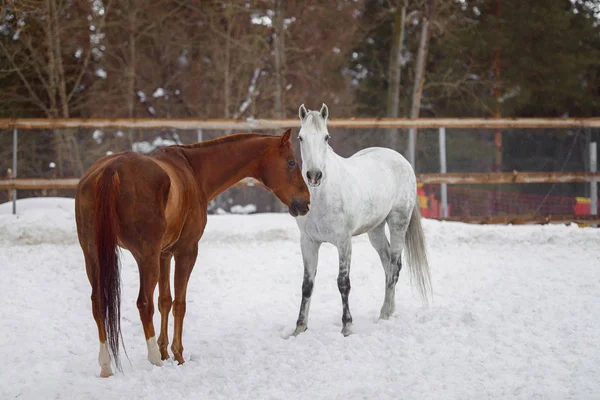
pixel 281 174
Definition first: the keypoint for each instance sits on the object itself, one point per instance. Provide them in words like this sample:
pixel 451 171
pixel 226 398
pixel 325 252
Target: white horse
pixel 356 195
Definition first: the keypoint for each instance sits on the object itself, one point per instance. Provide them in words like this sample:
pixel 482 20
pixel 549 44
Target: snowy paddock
pixel 515 315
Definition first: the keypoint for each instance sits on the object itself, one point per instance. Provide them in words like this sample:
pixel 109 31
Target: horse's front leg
pixel 310 258
pixel 345 254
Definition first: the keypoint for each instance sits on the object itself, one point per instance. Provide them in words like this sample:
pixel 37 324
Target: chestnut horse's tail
pixel 107 225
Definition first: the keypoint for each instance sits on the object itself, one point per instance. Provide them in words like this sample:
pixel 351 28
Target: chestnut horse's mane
pixel 225 139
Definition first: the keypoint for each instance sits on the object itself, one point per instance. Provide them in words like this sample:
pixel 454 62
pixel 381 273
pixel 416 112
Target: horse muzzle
pixel 314 177
pixel 299 208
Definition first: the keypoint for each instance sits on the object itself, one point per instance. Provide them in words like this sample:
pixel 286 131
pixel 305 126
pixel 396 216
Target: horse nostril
pixel 314 175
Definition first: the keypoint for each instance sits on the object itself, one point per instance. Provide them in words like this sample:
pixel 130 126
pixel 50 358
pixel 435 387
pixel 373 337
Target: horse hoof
pixel 105 373
pixel 155 359
pixel 179 359
pixel 299 330
pixel 164 354
pixel 384 316
pixel 156 362
pixel 347 331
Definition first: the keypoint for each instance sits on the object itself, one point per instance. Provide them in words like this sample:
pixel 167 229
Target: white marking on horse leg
pixel 104 361
pixel 153 352
pixel 310 257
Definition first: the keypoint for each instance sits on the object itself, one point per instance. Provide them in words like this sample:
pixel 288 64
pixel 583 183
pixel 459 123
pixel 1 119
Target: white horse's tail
pixel 416 254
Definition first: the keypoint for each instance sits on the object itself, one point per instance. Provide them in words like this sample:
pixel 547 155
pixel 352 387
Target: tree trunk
pixel 57 138
pixel 49 31
pixel 69 136
pixel 221 200
pixel 420 69
pixel 420 77
pixel 131 95
pixel 395 72
pixel 497 114
pixel 279 44
pixel 226 69
pixel 279 50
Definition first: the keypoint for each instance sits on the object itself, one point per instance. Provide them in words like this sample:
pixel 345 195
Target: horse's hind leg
pixel 185 258
pixel 398 225
pixel 164 303
pixel 93 273
pixel 148 265
pixel 380 242
pixel 310 258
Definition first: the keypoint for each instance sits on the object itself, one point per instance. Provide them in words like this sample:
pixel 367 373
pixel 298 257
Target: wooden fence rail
pixel 353 123
pixel 469 178
pixel 70 183
pixel 527 219
pixel 448 178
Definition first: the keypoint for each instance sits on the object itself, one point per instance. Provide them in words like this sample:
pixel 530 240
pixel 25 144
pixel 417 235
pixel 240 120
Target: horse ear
pixel 286 137
pixel 302 112
pixel 324 111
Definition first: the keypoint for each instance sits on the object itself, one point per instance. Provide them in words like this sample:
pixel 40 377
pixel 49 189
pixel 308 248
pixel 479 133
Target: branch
pixel 88 56
pixel 217 31
pixel 35 65
pixel 153 24
pixel 251 92
pixel 34 96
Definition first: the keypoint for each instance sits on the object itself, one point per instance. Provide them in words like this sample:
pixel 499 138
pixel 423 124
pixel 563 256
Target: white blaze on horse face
pixel 314 137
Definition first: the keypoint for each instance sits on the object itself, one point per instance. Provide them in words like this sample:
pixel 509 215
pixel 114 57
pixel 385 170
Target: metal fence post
pixel 412 141
pixel 444 188
pixel 593 183
pixel 14 170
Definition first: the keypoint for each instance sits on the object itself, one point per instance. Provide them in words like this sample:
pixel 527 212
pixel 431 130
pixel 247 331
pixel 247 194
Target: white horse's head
pixel 313 137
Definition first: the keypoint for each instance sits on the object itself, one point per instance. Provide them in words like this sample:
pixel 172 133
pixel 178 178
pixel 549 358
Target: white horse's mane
pixel 315 120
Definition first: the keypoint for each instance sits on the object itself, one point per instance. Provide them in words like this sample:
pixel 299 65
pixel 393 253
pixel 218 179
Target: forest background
pixel 262 59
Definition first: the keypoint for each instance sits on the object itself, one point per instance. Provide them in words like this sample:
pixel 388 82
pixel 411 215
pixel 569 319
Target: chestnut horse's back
pixel 134 185
pixel 112 197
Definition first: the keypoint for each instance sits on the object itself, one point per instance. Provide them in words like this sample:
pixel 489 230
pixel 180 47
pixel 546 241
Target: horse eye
pixel 291 163
pixel 327 138
pixel 300 138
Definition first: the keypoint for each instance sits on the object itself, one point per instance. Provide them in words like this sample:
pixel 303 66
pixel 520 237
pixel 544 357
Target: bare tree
pixel 279 51
pixel 51 68
pixel 420 75
pixel 395 69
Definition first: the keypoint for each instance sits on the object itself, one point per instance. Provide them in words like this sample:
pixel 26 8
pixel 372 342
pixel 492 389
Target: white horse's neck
pixel 334 177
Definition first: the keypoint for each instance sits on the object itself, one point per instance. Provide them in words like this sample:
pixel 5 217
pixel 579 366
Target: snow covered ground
pixel 515 315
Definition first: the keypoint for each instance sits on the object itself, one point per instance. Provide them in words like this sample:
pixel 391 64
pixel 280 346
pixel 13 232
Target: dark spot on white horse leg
pixel 393 279
pixel 344 287
pixel 302 315
pixel 307 289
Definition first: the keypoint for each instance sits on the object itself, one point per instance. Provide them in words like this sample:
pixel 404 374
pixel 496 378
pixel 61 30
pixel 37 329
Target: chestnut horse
pixel 156 207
